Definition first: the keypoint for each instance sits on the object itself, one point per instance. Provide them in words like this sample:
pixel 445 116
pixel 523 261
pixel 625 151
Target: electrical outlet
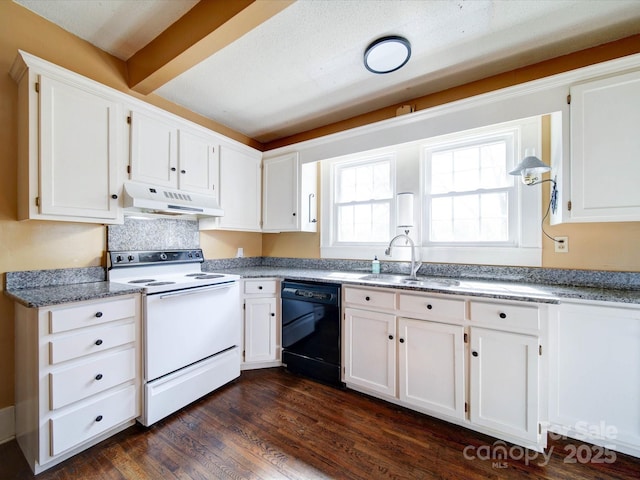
pixel 562 247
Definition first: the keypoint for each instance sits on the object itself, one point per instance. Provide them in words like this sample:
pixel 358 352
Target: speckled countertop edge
pixel 57 294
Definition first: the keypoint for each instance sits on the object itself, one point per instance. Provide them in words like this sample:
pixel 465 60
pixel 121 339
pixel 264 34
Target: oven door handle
pixel 196 290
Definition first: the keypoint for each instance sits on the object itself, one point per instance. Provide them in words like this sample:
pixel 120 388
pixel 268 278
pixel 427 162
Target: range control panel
pixel 151 257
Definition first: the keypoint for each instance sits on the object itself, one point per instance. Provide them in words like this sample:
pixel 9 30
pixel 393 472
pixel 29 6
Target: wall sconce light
pixel 530 170
pixel 404 210
pixel 387 54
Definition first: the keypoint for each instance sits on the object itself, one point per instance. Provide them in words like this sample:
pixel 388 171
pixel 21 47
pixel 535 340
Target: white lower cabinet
pixel 504 382
pixel 77 379
pixel 370 350
pixel 413 349
pixel 261 324
pixel 594 374
pixel 431 366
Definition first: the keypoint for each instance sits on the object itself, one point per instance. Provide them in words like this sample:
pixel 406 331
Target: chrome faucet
pixel 415 266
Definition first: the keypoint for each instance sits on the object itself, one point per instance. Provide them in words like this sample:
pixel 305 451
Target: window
pixel 470 198
pixel 470 210
pixel 361 212
pixel 363 200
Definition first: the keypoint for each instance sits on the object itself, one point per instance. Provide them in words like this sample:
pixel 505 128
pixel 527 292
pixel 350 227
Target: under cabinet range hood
pixel 148 199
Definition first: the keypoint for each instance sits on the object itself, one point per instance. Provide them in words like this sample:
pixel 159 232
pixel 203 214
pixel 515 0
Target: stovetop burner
pixel 163 271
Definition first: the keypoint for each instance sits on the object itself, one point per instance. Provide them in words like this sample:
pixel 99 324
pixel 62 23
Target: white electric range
pixel 191 326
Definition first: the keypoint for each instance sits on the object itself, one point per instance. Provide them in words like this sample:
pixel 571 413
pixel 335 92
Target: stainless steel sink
pixel 426 282
pixel 384 278
pixel 432 282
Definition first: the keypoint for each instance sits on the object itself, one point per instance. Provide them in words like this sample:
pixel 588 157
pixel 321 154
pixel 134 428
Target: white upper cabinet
pixel 199 162
pixel 166 153
pixel 70 148
pixel 240 189
pixel 290 195
pixel 154 150
pixel 76 150
pixel 605 148
pixel 79 146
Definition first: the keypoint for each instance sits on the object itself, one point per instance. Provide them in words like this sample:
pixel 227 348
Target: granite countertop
pixel 57 294
pixel 34 294
pixel 507 290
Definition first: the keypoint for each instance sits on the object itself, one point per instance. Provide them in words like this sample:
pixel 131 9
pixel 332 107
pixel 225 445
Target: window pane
pixel 345 231
pixel 382 181
pixel 364 223
pixel 469 190
pixel 364 182
pixel 470 218
pixel 466 169
pixel 442 172
pixel 493 165
pixel 441 219
pixel 380 222
pixel 494 217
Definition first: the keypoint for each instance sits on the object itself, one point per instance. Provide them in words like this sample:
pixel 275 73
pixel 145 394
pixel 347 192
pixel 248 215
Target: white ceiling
pixel 303 68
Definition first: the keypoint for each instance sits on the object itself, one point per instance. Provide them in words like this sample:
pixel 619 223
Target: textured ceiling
pixel 302 68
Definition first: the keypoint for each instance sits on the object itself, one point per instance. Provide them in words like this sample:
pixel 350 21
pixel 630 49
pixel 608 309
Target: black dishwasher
pixel 311 330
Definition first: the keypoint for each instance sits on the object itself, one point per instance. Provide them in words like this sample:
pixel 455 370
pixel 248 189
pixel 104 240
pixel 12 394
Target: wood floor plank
pixel 273 425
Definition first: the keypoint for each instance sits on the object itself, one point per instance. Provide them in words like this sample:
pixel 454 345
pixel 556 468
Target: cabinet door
pixel 240 186
pixel 199 168
pixel 605 120
pixel 431 357
pixel 154 150
pixel 80 143
pixel 504 382
pixel 280 194
pixel 594 374
pixel 260 329
pixel 370 350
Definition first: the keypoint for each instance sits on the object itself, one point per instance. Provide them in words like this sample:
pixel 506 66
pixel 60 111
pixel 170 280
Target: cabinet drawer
pixel 260 286
pixel 370 298
pixel 518 317
pixel 433 308
pixel 80 381
pixel 84 423
pixel 91 340
pixel 89 314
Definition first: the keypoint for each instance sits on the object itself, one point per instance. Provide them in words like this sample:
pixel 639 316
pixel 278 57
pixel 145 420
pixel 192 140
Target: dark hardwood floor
pixel 270 424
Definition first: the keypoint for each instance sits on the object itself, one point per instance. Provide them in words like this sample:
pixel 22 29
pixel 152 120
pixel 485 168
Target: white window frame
pixel 330 247
pixel 527 251
pixel 524 247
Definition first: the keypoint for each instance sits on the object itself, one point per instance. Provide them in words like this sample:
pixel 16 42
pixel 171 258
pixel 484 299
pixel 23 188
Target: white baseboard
pixel 7 424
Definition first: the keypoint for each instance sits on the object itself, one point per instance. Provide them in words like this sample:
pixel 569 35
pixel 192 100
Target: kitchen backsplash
pixel 153 234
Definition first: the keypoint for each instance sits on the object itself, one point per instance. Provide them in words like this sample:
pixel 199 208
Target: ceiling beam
pixel 208 27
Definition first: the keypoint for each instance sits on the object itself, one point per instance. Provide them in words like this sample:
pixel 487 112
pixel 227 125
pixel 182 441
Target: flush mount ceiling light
pixel 387 54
